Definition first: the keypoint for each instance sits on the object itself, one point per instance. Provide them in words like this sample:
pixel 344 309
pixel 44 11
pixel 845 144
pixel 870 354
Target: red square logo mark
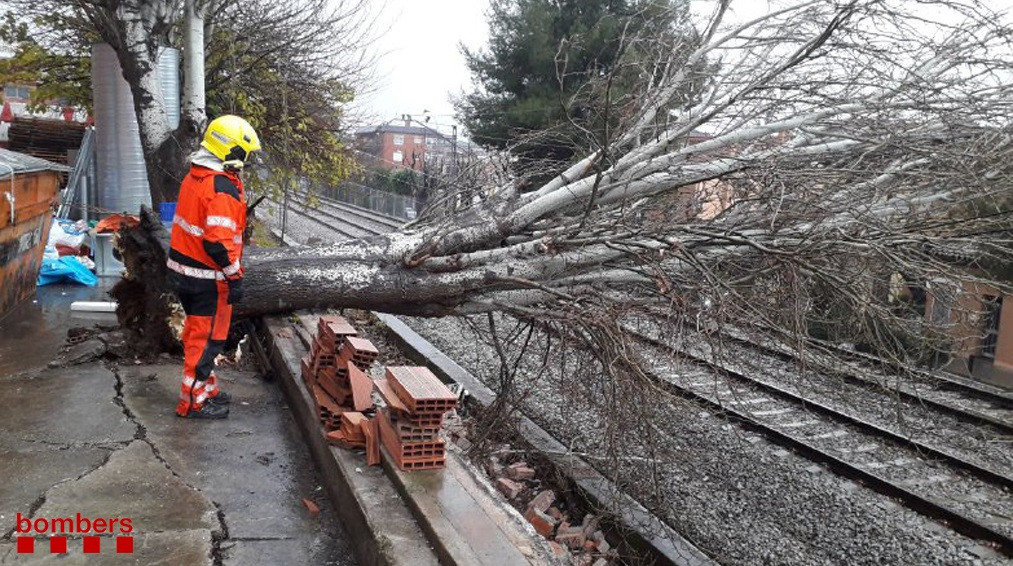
pixel 124 545
pixel 26 545
pixel 58 545
pixel 92 545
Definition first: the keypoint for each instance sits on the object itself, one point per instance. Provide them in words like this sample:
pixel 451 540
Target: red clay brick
pixel 359 351
pixel 543 502
pixel 599 540
pixel 341 395
pixel 431 464
pixel 543 524
pixel 307 372
pixel 558 550
pixel 520 471
pixel 389 397
pixel 372 433
pixel 334 327
pixel 411 456
pixel 362 388
pixel 312 507
pixel 351 426
pixel 323 349
pixel 571 537
pixel 420 390
pixel 509 488
pixel 408 433
pixel 330 412
pixel 339 438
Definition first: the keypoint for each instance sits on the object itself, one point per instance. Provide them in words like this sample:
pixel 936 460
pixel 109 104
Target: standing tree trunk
pixel 137 40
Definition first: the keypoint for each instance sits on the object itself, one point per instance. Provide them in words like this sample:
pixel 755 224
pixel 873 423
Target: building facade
pixel 979 328
pixel 402 146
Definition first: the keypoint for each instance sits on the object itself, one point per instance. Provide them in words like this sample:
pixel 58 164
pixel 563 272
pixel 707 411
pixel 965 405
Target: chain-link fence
pixel 399 206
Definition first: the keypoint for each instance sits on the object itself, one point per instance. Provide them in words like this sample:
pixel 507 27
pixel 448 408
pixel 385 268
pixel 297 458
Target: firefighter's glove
pixel 235 290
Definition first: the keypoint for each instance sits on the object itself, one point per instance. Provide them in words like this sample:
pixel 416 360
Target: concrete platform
pixel 103 441
pixel 462 520
pixel 33 332
pixel 469 525
pixel 381 526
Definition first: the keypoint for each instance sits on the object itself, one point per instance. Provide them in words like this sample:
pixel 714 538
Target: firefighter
pixel 205 258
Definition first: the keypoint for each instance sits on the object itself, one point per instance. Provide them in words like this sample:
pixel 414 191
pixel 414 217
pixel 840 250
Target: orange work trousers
pixel 205 329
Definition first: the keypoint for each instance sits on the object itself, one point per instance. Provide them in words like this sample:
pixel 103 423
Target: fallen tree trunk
pixel 368 275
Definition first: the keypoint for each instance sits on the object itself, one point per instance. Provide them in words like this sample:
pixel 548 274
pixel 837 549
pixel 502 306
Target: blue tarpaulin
pixel 65 269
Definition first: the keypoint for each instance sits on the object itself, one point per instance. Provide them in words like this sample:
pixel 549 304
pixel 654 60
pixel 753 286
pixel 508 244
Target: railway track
pixel 973 499
pixel 955 430
pixel 965 399
pixel 656 538
pixel 332 220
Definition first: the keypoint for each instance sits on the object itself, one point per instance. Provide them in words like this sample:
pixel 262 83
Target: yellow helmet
pixel 231 139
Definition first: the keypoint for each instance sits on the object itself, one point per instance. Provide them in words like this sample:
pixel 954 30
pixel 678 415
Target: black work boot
pixel 222 398
pixel 209 411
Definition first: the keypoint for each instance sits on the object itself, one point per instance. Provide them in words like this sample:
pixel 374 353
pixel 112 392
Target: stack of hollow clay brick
pixel 335 372
pixel 409 424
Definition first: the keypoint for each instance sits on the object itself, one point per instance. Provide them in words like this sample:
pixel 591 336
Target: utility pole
pixel 454 151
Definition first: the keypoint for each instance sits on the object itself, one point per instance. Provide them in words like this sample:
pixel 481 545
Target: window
pixel 993 308
pixel 398 157
pixel 943 297
pixel 398 140
pixel 11 91
pixel 419 140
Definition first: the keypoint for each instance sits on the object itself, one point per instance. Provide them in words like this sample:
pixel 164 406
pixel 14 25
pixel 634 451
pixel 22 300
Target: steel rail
pixel 919 503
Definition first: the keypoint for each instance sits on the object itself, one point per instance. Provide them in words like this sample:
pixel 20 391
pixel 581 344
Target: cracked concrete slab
pixel 134 484
pixel 253 464
pixel 68 446
pixel 191 547
pixel 281 551
pixel 66 406
pixel 63 424
pixel 30 471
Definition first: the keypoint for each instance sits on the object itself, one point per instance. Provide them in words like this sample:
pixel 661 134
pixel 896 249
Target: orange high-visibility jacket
pixel 207 231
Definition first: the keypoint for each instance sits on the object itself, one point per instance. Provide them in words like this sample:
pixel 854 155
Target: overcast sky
pixel 420 63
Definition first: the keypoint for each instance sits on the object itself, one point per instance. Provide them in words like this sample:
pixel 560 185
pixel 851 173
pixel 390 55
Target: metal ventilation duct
pixel 168 81
pixel 122 177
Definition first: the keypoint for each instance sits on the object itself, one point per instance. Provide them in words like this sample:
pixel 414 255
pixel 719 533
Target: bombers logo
pixel 27 529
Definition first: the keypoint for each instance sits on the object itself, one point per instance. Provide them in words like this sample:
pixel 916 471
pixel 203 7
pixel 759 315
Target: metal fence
pixel 399 206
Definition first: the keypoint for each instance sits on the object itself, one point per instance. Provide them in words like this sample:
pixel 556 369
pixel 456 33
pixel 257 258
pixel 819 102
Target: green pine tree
pixel 557 74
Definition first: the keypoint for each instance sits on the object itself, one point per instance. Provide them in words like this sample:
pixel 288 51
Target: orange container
pixel 28 193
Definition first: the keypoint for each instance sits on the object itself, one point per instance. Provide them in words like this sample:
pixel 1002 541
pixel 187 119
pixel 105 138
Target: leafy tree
pixel 288 67
pixel 299 116
pixel 555 71
pixel 58 76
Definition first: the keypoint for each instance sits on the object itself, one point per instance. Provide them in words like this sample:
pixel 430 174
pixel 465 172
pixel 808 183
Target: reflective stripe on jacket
pixel 207 231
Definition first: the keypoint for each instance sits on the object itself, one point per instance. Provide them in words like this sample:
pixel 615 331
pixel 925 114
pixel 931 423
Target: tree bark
pixel 367 275
pixel 137 35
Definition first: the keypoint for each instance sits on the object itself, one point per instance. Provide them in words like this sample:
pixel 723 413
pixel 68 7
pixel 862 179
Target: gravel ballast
pixel 738 497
